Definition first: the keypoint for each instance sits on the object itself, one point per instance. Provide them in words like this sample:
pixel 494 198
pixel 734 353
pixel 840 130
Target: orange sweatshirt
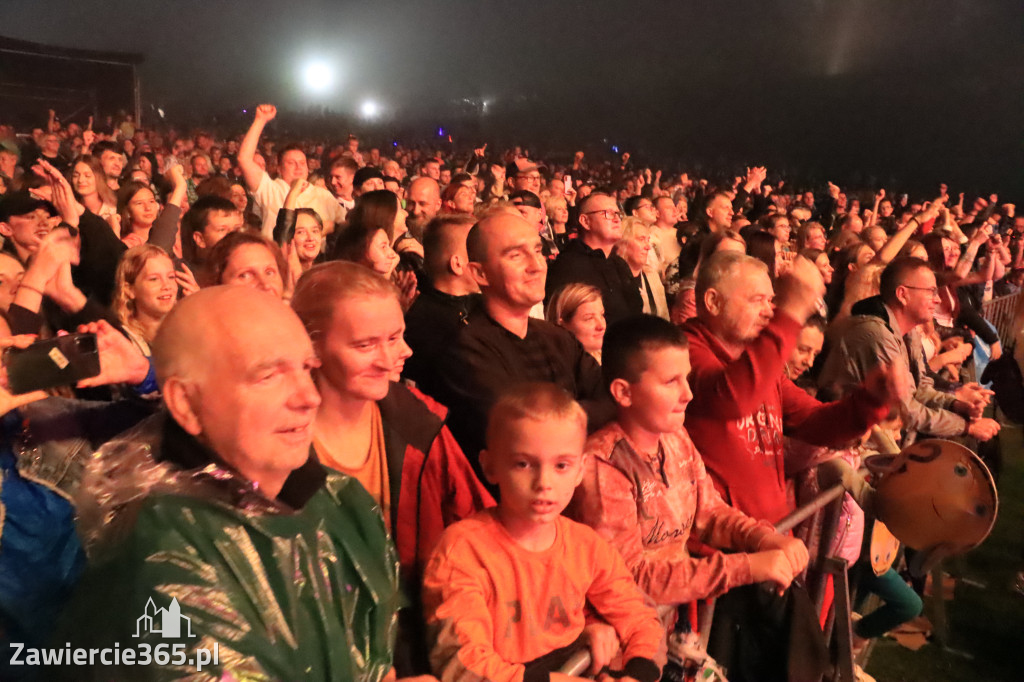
pixel 493 606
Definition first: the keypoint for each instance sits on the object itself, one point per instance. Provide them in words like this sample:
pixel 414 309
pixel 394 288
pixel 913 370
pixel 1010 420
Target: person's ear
pixel 178 398
pixel 901 295
pixel 5 229
pixel 621 392
pixel 487 466
pixel 582 468
pixel 713 302
pixel 455 265
pixel 476 271
pixel 199 239
pixel 584 221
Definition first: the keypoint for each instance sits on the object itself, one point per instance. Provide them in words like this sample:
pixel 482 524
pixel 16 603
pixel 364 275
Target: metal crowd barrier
pixel 999 312
pixel 821 512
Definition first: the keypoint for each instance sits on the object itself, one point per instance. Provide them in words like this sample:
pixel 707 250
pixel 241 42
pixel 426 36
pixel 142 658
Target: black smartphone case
pixel 55 362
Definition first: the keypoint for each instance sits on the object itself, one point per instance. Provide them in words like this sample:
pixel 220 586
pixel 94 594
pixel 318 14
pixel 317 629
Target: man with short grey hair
pixel 219 514
pixel 740 341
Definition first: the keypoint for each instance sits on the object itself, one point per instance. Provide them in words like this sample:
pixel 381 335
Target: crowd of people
pixel 401 412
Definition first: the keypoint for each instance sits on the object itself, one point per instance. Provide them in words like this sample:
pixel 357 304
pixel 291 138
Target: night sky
pixel 919 90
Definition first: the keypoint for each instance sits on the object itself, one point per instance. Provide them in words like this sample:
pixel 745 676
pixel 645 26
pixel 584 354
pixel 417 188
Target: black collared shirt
pixel 487 359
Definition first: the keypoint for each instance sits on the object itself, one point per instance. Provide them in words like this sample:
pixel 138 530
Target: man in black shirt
pixel 502 345
pixel 444 305
pixel 590 260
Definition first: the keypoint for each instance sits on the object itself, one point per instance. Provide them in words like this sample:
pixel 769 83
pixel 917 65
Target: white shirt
pixel 269 197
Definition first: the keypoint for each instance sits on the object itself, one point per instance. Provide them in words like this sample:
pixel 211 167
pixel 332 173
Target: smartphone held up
pixel 61 361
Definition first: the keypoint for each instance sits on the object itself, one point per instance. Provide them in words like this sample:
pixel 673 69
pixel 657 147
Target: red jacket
pixel 434 486
pixel 741 408
pixel 429 476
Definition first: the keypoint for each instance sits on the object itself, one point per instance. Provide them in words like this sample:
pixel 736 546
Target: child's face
pixel 537 465
pixel 657 400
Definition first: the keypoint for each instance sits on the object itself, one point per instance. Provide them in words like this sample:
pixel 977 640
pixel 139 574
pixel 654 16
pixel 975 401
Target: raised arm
pixel 737 389
pixel 265 113
pixel 284 229
pixel 879 195
pixel 165 227
pixel 895 244
pixel 962 271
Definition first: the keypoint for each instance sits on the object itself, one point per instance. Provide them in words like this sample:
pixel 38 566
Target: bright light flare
pixel 318 77
pixel 369 109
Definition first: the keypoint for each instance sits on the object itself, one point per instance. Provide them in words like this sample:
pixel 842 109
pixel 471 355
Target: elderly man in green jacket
pixel 218 514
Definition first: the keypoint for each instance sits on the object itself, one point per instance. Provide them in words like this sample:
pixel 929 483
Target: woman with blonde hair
pixel 634 247
pixel 145 290
pixel 557 209
pixel 578 308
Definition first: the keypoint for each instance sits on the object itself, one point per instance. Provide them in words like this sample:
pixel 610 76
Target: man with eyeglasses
pixel 590 260
pixel 523 174
pixel 884 329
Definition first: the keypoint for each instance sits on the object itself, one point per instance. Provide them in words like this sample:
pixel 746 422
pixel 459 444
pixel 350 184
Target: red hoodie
pixel 742 406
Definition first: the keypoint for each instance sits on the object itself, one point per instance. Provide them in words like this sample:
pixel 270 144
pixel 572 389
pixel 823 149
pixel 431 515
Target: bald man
pixel 221 511
pixel 423 201
pixel 504 345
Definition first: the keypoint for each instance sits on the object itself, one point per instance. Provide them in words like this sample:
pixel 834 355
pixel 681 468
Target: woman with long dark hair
pixel 143 219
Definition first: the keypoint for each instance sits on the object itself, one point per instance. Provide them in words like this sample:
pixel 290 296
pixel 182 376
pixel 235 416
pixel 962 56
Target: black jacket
pixel 580 263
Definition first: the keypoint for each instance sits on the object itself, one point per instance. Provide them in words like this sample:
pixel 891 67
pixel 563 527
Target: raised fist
pixel 266 113
pixel 799 290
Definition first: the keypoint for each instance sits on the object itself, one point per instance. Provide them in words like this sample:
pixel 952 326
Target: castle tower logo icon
pixel 164 622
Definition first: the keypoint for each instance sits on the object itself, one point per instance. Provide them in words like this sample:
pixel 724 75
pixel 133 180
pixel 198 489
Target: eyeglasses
pixel 608 213
pixel 933 290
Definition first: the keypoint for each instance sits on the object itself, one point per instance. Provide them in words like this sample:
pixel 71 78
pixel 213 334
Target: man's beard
pixel 416 226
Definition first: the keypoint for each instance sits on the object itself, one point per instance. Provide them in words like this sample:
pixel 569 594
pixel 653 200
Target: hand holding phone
pixel 54 362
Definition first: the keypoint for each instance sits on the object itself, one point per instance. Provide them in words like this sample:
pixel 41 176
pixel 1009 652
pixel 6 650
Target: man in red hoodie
pixel 743 402
pixel 739 344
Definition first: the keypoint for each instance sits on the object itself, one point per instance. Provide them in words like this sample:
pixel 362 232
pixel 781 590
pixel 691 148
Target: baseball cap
pixel 525 197
pixel 366 173
pixel 519 166
pixel 19 204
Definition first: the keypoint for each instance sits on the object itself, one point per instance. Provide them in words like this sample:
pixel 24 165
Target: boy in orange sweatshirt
pixel 505 590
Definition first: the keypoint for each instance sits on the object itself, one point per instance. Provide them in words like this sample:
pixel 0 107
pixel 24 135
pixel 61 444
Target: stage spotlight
pixel 318 77
pixel 369 109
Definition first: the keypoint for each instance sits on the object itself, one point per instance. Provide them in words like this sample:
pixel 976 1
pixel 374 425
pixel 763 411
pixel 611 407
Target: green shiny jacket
pixel 283 593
